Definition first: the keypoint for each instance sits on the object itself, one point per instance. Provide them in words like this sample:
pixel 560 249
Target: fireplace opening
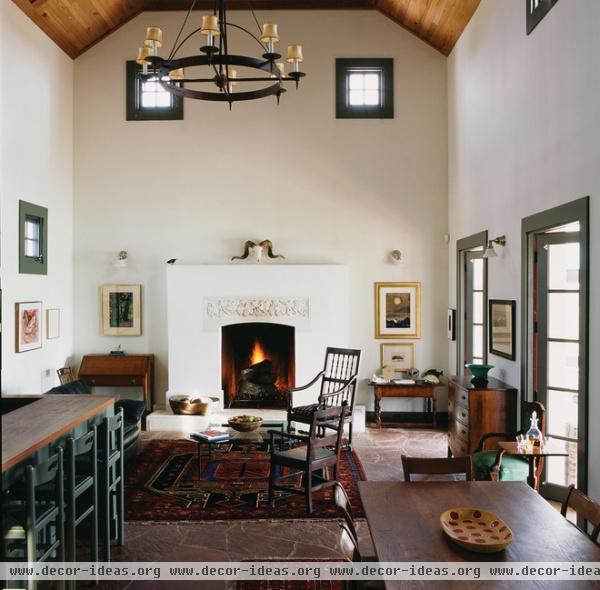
pixel 257 364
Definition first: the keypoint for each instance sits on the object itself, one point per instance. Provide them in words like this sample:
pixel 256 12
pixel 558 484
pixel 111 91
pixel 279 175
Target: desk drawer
pixel 458 396
pixel 458 429
pixel 458 412
pixel 458 446
pixel 111 380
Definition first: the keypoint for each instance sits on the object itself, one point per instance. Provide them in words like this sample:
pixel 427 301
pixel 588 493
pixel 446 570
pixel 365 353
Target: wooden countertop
pixel 31 427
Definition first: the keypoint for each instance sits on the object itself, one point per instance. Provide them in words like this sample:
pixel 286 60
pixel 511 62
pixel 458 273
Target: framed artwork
pixel 397 310
pixel 52 324
pixel 398 355
pixel 451 324
pixel 28 328
pixel 502 328
pixel 121 310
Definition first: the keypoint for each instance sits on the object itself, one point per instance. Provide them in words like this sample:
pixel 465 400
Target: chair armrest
pixel 290 392
pixel 340 390
pixel 288 435
pixel 503 435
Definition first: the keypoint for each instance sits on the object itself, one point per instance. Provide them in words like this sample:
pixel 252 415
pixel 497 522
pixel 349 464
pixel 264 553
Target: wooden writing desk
pixel 128 370
pixel 419 389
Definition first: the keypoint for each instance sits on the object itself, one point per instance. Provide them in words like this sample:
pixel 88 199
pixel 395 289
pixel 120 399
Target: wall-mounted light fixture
pixel 395 256
pixel 489 252
pixel 121 260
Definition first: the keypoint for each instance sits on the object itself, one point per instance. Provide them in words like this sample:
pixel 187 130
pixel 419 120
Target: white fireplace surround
pixel 202 299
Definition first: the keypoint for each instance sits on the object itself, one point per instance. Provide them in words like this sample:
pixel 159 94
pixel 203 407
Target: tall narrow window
pixel 554 323
pixel 471 301
pixel 33 238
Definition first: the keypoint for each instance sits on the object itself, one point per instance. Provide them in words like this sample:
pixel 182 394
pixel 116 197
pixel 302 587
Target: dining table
pixel 404 520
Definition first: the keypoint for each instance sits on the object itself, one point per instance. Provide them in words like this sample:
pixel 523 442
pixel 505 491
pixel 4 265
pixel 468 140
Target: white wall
pixel 524 123
pixel 324 190
pixel 36 165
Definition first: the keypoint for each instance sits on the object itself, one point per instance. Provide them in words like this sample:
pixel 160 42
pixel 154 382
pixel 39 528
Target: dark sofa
pixel 132 416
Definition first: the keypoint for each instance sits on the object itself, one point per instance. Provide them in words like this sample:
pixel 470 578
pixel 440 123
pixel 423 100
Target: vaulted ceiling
pixel 76 25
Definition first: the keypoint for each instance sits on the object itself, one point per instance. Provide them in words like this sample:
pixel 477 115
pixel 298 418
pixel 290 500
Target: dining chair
pixel 585 507
pixel 491 463
pixel 316 452
pixel 65 375
pixel 342 502
pixel 436 466
pixel 338 384
pixel 349 548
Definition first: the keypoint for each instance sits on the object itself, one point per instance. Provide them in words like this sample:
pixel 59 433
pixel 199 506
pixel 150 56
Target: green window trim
pixel 35 265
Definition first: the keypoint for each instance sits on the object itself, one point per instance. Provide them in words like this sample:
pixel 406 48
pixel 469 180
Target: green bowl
pixel 479 371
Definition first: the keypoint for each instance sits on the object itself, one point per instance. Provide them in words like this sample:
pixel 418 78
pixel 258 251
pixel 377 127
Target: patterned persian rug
pixel 166 484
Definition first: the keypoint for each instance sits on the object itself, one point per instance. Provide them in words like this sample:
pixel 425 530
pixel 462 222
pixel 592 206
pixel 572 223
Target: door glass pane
pixel 562 413
pixel 478 307
pixel 563 365
pixel 563 266
pixel 477 274
pixel 478 341
pixel 563 315
pixel 563 470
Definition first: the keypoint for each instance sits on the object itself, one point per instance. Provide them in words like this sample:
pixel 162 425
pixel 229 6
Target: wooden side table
pixel 419 389
pixel 551 449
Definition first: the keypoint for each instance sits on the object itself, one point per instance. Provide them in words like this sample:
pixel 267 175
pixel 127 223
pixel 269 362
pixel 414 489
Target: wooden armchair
pixel 494 464
pixel 338 385
pixel 314 453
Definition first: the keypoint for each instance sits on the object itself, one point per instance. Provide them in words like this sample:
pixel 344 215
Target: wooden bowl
pixel 189 405
pixel 245 425
pixel 477 530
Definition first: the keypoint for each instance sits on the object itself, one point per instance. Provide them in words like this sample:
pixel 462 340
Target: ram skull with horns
pixel 257 250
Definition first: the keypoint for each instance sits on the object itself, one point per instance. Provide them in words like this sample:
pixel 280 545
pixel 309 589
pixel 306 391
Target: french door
pixel 558 362
pixel 474 343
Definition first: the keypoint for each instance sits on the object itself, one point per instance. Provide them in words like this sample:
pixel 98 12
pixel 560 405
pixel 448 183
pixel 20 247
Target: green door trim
pixel 577 210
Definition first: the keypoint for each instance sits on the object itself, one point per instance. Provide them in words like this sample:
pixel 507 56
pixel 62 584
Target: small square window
pixel 147 100
pixel 33 238
pixel 364 88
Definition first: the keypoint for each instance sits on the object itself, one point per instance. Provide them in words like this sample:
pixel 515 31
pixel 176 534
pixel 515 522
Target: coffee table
pixel 236 440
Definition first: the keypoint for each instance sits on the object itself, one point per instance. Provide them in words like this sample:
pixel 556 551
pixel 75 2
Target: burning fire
pixel 258 354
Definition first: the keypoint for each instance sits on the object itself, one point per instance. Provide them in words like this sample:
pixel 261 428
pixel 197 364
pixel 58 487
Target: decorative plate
pixel 476 530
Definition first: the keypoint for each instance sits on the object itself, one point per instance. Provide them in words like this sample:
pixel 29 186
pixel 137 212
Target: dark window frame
pixel 37 265
pixel 463 247
pixel 343 66
pixel 135 112
pixel 532 226
pixel 533 19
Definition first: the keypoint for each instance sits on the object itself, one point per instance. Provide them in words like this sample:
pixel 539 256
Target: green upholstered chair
pixel 491 463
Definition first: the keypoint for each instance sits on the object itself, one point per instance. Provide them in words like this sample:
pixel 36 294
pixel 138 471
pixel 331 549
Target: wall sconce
pixel 489 252
pixel 395 256
pixel 121 261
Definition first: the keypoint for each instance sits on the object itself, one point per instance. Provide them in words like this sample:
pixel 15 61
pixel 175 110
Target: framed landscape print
pixel 121 310
pixel 28 328
pixel 398 355
pixel 502 328
pixel 397 310
pixel 52 324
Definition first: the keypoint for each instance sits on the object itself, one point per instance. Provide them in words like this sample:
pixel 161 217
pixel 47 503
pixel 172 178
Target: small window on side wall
pixel 33 239
pixel 364 88
pixel 147 100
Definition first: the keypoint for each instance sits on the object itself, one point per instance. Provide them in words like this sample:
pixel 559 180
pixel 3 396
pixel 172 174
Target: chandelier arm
pixel 263 47
pixel 182 27
pixel 175 50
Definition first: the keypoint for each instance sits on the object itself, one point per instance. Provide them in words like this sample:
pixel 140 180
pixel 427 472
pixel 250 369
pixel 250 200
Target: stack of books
pixel 210 435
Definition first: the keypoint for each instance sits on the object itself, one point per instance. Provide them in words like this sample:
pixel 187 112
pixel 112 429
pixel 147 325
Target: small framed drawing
pixel 502 328
pixel 28 328
pixel 451 324
pixel 398 355
pixel 121 310
pixel 397 310
pixel 52 324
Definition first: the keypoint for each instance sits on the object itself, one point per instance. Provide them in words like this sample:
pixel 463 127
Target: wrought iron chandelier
pixel 173 72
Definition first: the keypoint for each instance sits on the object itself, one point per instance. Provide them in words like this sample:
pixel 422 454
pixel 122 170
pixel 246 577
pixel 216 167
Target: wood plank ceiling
pixel 76 25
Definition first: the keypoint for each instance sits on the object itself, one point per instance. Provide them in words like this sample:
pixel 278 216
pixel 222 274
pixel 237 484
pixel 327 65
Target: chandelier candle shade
pixel 210 74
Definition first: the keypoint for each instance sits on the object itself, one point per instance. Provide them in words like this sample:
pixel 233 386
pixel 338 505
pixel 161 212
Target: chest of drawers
pixel 476 410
